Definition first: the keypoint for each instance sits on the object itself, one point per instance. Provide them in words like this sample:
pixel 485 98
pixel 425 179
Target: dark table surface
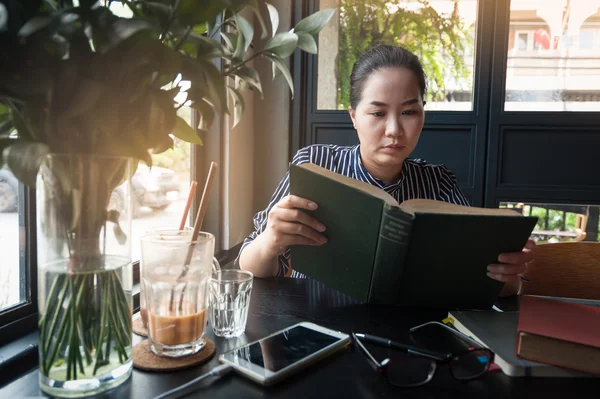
pixel 280 302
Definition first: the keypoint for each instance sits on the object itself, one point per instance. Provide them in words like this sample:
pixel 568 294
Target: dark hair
pixel 379 57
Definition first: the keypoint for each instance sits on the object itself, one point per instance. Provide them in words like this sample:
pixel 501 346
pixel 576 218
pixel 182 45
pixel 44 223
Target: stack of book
pixel 548 336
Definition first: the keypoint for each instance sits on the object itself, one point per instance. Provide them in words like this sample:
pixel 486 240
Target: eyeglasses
pixel 412 366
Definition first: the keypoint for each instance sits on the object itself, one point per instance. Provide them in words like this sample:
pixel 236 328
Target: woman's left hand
pixel 511 266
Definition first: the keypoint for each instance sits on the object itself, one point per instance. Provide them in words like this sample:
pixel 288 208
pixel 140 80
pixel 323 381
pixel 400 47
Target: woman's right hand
pixel 288 225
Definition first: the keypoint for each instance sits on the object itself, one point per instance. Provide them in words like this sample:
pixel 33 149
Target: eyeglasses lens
pixel 406 371
pixel 437 338
pixel 471 364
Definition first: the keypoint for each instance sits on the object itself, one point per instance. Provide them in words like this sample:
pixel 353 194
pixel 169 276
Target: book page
pixel 357 184
pixel 433 206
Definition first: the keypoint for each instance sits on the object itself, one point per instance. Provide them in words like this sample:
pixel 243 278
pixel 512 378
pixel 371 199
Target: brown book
pixel 563 334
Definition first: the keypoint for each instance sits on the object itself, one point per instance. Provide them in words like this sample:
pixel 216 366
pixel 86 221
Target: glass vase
pixel 84 273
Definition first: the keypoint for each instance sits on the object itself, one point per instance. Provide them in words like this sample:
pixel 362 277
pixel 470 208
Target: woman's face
pixel 388 119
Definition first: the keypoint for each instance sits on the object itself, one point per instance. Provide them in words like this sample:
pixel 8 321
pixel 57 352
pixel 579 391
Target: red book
pixel 560 333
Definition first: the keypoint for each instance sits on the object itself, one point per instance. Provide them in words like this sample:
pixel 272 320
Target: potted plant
pixel 86 94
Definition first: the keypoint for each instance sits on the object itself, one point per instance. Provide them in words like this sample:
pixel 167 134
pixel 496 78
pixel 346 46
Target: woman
pixel 387 88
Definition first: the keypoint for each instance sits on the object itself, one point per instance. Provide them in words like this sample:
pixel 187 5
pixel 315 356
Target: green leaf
pixel 189 49
pixel 35 25
pixel 6 129
pixel 24 128
pixel 200 29
pixel 216 85
pixel 282 44
pixel 207 114
pixel 185 132
pixel 207 48
pixel 159 10
pixel 24 159
pixel 193 12
pixel 3 23
pixel 274 16
pixel 229 38
pixel 84 98
pixel 113 216
pixel 4 142
pixel 162 118
pixel 238 105
pixel 122 29
pixel 244 27
pixel 307 43
pixel 239 46
pixel 278 64
pixel 315 22
pixel 261 21
pixel 250 76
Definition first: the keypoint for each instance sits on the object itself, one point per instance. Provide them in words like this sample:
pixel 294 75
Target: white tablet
pixel 280 354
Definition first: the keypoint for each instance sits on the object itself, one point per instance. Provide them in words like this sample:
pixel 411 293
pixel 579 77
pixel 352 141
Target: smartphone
pixel 276 356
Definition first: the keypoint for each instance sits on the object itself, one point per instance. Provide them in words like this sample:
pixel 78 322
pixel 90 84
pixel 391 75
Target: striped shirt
pixel 418 180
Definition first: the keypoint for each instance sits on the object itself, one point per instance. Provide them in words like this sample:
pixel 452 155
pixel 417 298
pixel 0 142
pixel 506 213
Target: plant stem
pixel 182 40
pixel 170 21
pixel 103 311
pixel 57 310
pixel 109 338
pixel 241 64
pixel 86 351
pixel 49 309
pixel 59 339
pixel 123 337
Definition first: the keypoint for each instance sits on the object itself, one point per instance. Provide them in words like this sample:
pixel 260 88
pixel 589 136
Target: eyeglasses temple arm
pixel 414 350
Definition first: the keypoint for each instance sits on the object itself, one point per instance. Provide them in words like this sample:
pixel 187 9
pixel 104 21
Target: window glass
pixel 440 32
pixel 10 240
pixel 160 192
pixel 561 222
pixel 553 56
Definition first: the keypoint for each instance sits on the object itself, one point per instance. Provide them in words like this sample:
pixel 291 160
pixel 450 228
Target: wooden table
pixel 279 302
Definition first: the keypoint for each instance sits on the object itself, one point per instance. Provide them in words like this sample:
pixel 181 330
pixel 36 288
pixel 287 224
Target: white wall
pixel 256 151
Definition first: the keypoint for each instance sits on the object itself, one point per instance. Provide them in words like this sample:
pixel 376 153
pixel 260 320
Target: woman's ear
pixel 352 113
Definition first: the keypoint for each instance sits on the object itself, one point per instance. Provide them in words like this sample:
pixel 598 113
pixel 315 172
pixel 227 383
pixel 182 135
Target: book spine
pixel 392 247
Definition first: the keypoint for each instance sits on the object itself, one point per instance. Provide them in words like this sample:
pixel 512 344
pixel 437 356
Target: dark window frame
pixel 488 121
pixel 21 318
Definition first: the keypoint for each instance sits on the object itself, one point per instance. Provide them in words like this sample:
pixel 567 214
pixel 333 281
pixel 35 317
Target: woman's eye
pixel 378 114
pixel 409 112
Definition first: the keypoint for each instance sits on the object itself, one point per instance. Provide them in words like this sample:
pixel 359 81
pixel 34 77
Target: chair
pixel 565 269
pixel 580 226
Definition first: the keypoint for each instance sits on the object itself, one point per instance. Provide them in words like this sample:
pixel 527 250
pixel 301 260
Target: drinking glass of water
pixel 229 292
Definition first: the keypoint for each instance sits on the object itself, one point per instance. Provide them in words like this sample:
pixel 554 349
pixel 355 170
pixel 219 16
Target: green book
pixel 418 253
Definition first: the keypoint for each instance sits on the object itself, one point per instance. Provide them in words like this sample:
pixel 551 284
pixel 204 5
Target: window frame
pixel 21 318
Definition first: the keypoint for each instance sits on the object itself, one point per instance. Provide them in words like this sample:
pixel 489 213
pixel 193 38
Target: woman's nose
pixel 394 128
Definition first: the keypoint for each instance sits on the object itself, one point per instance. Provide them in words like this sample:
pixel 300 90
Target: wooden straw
pixel 188 204
pixel 197 225
pixel 203 205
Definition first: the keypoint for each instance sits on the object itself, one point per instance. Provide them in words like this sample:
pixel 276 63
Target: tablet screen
pixel 281 350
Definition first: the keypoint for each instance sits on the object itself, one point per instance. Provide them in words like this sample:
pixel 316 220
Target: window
pixel 586 39
pixel 160 192
pixel 561 222
pixel 547 69
pixel 426 28
pixel 10 241
pixel 523 41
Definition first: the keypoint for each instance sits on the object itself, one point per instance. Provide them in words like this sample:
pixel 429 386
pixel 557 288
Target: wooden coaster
pixel 145 359
pixel 138 327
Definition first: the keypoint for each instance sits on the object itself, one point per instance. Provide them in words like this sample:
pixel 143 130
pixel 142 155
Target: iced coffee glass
pixel 164 233
pixel 175 277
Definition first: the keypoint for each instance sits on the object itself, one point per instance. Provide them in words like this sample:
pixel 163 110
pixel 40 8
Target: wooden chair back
pixel 566 269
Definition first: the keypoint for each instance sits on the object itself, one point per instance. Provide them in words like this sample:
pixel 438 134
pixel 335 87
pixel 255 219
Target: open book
pixel 418 253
